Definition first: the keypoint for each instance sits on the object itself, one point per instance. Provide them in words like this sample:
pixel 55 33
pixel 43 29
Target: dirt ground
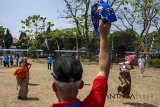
pixel 145 91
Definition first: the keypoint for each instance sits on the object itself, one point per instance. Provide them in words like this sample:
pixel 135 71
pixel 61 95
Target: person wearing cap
pixel 67 74
pixel 141 63
pixel 21 74
pixel 124 75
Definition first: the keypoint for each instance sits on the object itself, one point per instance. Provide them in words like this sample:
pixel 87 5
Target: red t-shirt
pixel 96 98
pixel 27 64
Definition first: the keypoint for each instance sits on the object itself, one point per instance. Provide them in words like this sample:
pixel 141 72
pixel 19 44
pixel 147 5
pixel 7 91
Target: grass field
pixel 145 91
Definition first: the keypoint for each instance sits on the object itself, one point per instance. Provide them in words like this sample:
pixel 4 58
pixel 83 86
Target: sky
pixel 13 11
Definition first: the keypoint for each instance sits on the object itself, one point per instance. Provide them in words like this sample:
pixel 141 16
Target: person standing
pixel 11 60
pixel 21 74
pixel 6 59
pixel 4 63
pixel 141 63
pixel 17 60
pixel 49 60
pixel 28 66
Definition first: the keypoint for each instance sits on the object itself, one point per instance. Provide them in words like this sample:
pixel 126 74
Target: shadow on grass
pixel 87 84
pixel 140 104
pixel 32 84
pixel 147 76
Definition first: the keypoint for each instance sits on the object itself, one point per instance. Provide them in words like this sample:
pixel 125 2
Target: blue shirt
pixel 6 59
pixel 11 58
pixel 50 59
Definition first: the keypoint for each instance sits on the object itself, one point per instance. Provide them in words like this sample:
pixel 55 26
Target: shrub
pixel 154 62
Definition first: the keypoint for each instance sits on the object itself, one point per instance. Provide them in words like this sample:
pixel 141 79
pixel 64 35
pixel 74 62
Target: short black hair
pixel 67 69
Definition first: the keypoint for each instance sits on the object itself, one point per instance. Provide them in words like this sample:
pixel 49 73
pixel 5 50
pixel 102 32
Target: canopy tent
pixel 69 51
pixel 19 50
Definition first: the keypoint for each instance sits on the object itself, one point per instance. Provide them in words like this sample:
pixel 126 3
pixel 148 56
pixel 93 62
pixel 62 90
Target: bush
pixel 43 56
pixel 154 62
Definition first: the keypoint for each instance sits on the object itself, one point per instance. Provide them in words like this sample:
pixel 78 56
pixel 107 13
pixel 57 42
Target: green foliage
pixel 8 40
pixel 23 42
pixel 145 12
pixel 36 24
pixel 156 36
pixel 2 33
pixel 32 51
pixel 154 62
pixel 64 39
pixel 123 40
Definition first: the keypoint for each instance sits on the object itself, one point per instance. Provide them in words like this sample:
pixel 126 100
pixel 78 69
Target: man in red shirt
pixel 67 73
pixel 28 66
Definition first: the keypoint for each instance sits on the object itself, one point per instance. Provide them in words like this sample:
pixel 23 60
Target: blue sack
pixel 102 10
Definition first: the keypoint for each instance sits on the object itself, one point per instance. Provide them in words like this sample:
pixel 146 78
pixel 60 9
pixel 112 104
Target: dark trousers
pixel 4 63
pixel 7 64
pixel 11 62
pixel 125 86
pixel 49 65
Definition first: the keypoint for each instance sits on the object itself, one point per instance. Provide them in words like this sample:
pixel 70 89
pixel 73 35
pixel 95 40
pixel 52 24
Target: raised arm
pixel 104 54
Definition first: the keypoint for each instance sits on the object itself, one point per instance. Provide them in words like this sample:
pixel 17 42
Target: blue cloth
pixel 50 60
pixel 6 59
pixel 11 58
pixel 17 58
pixel 77 104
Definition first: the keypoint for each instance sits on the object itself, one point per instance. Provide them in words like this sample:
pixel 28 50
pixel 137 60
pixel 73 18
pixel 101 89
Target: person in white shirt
pixel 141 63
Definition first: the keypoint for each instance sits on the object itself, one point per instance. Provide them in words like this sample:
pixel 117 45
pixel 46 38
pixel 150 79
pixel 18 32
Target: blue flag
pixel 46 41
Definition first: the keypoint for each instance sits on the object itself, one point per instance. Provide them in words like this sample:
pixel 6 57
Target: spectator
pixel 17 60
pixel 49 60
pixel 6 59
pixel 11 60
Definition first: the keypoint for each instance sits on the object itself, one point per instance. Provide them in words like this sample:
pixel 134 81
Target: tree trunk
pixel 86 28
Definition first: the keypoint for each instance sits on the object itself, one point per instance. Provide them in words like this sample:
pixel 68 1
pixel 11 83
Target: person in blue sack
pixel 49 60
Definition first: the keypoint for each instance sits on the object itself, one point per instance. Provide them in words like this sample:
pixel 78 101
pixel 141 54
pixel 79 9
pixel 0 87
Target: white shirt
pixel 141 62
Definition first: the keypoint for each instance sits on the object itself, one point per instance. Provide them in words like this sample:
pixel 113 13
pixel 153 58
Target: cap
pixel 67 69
pixel 130 58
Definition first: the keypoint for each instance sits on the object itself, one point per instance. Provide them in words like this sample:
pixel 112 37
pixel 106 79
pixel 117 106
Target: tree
pixel 146 11
pixel 156 22
pixel 23 42
pixel 36 24
pixel 8 39
pixel 124 40
pixel 2 33
pixel 139 15
pixel 78 13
